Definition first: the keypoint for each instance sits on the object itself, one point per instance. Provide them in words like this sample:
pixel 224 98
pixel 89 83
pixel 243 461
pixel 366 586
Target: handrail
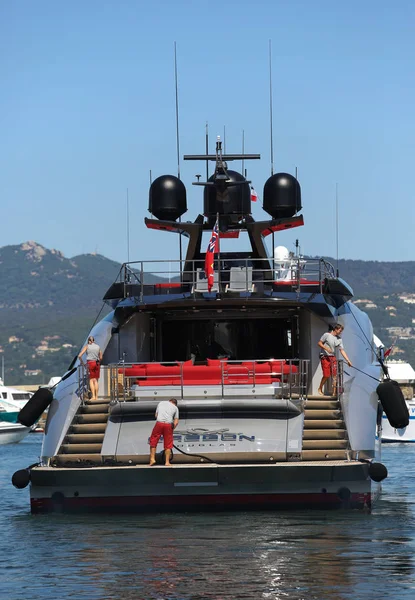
pixel 189 276
pixel 340 377
pixel 83 382
pixel 286 376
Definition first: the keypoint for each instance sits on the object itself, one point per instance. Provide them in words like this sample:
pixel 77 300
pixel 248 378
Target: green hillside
pixel 48 304
pixel 377 277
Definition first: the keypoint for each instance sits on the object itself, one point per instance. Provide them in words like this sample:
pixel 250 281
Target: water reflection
pixel 301 556
pixel 246 555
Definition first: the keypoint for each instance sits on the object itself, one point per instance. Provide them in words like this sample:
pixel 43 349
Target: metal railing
pixel 286 376
pixel 340 378
pixel 83 382
pixel 141 278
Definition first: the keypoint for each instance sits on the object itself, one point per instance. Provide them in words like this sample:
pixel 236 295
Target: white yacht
pixel 11 402
pixel 233 337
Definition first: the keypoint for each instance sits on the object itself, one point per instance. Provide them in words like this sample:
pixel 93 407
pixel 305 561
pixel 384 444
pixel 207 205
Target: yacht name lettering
pixel 212 437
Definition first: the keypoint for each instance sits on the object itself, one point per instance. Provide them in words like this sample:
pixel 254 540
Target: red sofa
pixel 245 372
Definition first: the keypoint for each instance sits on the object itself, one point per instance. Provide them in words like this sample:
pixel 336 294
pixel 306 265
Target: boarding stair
pixel 325 434
pixel 83 442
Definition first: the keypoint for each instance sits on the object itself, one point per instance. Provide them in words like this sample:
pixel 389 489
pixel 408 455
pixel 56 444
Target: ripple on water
pixel 306 555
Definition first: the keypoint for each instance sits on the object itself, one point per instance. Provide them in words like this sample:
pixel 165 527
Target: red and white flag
pixel 389 350
pixel 254 195
pixel 212 249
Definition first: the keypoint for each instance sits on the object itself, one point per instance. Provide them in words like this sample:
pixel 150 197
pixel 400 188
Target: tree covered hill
pixel 45 295
pixel 48 303
pixel 377 277
pixel 33 277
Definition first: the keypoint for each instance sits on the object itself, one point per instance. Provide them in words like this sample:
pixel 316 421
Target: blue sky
pixel 87 109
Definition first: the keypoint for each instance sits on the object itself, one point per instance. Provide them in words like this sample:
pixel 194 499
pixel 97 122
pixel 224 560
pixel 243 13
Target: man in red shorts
pixel 167 415
pixel 93 359
pixel 329 343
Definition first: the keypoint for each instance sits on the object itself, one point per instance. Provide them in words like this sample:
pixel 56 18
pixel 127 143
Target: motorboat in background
pixel 12 401
pixel 233 336
pixel 404 374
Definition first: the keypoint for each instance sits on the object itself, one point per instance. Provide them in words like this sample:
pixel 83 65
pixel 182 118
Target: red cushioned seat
pixel 138 370
pixel 201 374
pixel 247 372
pixel 155 381
pixel 212 362
pixel 158 370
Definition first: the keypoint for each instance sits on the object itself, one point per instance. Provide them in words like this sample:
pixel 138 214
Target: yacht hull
pixel 138 488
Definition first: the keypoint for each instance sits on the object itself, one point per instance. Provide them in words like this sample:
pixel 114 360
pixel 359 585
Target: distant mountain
pixel 43 294
pixel 48 304
pixel 33 277
pixel 379 277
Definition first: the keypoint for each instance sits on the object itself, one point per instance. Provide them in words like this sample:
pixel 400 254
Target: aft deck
pixel 315 431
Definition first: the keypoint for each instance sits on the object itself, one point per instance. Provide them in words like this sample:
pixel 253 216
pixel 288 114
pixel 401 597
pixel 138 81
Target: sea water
pixel 310 555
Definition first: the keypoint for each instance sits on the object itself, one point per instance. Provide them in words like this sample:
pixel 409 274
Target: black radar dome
pixel 233 199
pixel 282 196
pixel 167 199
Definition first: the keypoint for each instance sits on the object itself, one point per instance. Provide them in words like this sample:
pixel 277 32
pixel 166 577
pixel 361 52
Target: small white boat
pixel 404 374
pixel 12 401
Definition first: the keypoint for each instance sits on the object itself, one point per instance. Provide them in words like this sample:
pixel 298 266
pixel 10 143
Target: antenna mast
pixel 337 229
pixel 243 149
pixel 207 150
pixel 178 149
pixel 177 112
pixel 270 109
pixel 128 228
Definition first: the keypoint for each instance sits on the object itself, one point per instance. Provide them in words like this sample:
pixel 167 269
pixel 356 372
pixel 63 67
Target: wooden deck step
pixel 84 438
pixel 324 434
pixel 323 424
pixel 324 455
pixel 324 444
pixel 322 404
pixel 321 414
pixel 80 448
pixel 74 460
pixel 88 428
pixel 94 408
pixel 92 418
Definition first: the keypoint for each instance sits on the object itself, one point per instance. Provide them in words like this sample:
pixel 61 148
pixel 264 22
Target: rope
pixel 197 455
pixel 367 374
pixel 360 327
pixel 372 346
pixel 96 319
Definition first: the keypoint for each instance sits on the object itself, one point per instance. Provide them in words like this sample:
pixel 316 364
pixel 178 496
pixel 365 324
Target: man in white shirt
pixel 167 415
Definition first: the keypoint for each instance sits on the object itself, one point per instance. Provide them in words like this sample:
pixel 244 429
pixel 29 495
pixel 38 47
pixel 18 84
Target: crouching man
pixel 167 416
